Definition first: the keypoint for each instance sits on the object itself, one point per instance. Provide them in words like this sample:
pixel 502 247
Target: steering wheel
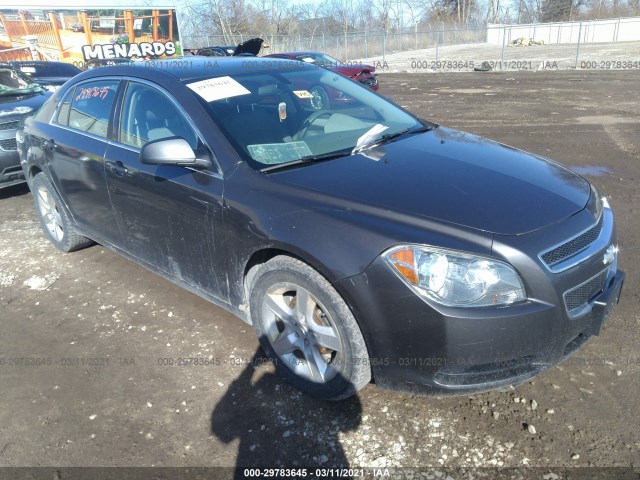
pixel 309 121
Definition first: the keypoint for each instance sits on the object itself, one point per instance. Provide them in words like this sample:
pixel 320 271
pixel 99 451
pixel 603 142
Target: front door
pixel 170 217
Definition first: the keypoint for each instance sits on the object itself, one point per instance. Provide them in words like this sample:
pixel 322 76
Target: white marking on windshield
pixel 218 88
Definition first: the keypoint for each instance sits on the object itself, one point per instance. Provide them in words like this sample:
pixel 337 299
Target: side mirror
pixel 171 151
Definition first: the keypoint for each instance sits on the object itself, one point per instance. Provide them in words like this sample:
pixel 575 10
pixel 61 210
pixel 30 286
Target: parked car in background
pixel 48 74
pixel 250 47
pixel 360 72
pixel 359 241
pixel 365 74
pixel 213 51
pixel 19 97
pixel 105 62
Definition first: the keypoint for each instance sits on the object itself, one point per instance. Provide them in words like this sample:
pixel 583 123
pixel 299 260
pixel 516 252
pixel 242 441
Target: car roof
pixel 193 67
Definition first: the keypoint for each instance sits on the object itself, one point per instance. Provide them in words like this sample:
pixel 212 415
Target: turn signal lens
pixel 405 263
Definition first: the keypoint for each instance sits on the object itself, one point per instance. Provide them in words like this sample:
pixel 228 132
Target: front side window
pixel 90 107
pixel 148 114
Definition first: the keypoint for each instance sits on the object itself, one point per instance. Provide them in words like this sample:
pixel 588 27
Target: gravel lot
pixel 105 331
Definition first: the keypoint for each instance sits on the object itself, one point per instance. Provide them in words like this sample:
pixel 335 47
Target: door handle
pixel 49 145
pixel 117 168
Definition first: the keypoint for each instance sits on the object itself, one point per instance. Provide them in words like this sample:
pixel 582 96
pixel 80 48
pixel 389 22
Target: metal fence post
pixel 384 46
pixel 504 41
pixel 578 46
pixel 366 45
pixel 346 52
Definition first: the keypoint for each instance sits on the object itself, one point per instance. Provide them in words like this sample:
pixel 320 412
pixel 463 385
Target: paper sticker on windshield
pixel 302 94
pixel 217 88
pixel 275 153
pixel 28 69
pixel 307 59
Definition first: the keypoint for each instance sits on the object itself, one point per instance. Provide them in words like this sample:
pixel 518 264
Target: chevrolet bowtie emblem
pixel 610 254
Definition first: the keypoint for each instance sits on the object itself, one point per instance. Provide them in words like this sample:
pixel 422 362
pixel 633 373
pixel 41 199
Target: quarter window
pixel 91 107
pixel 63 111
pixel 148 114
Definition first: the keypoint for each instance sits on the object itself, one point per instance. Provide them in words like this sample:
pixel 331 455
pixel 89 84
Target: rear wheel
pixel 53 217
pixel 307 330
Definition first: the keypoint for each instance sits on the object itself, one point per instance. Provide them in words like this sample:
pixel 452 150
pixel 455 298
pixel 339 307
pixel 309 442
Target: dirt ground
pixel 96 341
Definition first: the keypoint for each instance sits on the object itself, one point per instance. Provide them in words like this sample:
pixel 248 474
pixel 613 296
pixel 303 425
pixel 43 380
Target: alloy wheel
pixel 301 332
pixel 50 214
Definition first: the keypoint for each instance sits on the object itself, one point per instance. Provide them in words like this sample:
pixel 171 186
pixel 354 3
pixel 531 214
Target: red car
pixel 322 98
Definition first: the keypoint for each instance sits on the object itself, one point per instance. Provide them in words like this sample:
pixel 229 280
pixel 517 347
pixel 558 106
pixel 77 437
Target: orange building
pixel 79 32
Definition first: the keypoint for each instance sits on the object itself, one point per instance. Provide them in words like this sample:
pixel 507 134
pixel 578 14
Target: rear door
pixel 77 146
pixel 170 217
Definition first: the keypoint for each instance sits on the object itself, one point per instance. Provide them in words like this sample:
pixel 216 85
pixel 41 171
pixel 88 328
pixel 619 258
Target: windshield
pixel 281 116
pixel 320 59
pixel 13 83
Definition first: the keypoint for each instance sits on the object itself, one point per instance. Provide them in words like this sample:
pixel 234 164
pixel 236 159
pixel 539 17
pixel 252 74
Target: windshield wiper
pixel 387 137
pixel 304 160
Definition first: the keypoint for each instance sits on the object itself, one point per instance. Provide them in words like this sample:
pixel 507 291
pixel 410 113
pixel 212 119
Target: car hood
pixel 351 69
pixel 17 105
pixel 448 176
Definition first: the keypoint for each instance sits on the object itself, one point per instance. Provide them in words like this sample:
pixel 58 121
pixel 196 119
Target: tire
pixel 320 98
pixel 54 219
pixel 325 356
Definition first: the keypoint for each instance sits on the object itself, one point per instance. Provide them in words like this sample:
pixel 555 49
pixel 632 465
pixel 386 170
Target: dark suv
pixel 19 97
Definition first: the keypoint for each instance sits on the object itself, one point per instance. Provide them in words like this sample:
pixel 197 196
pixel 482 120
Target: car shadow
pixel 278 426
pixel 14 191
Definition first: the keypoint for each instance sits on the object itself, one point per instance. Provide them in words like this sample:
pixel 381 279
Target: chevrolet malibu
pixel 361 242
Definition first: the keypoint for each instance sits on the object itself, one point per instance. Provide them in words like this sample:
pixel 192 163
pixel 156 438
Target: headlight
pixel 598 201
pixel 454 278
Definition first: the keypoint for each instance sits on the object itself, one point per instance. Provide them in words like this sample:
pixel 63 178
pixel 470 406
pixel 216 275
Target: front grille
pixel 9 144
pixel 577 299
pixel 573 246
pixel 10 125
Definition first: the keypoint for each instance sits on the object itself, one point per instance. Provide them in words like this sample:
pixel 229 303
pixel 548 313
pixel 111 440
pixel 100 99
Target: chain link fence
pixel 609 44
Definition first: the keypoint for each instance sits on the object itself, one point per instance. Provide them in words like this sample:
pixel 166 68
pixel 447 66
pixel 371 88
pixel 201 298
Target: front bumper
pixel 10 169
pixel 414 347
pixel 418 346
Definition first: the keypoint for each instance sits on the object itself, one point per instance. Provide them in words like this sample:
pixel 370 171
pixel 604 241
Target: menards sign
pixel 128 50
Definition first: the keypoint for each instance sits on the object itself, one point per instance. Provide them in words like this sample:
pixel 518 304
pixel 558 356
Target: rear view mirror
pixel 171 151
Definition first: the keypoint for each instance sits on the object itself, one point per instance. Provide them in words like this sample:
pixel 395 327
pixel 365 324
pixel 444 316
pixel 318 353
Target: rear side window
pixel 46 111
pixel 90 107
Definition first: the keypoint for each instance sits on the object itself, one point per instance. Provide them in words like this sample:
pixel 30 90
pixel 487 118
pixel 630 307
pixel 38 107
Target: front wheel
pixel 307 330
